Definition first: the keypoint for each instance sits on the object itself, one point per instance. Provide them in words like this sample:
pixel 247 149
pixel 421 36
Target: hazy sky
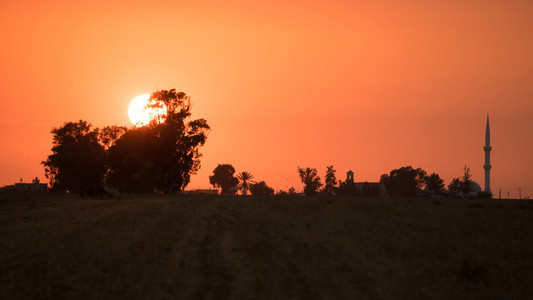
pixel 363 85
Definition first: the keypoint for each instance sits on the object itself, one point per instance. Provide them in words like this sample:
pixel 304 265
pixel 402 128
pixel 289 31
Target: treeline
pixel 160 156
pixel 403 182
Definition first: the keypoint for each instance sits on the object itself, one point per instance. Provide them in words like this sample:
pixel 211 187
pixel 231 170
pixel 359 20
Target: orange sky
pixel 364 85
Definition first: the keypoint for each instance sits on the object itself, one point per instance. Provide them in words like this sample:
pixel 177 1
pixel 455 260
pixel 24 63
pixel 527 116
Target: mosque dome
pixel 474 188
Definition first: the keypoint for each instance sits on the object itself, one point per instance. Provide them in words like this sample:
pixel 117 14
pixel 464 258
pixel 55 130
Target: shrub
pixel 261 189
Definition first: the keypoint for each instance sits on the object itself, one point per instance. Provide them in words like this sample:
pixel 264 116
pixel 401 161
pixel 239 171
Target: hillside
pixel 209 247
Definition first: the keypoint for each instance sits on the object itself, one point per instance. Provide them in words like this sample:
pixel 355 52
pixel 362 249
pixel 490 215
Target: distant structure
pixel 21 186
pixel 349 176
pixel 487 165
pixel 370 188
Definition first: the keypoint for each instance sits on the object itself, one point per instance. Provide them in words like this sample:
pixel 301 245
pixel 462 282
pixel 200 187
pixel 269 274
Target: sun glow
pixel 140 114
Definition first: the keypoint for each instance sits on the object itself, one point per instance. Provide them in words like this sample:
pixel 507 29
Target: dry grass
pixel 206 247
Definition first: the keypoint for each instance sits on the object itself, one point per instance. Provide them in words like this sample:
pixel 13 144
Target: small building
pixel 34 186
pixel 352 188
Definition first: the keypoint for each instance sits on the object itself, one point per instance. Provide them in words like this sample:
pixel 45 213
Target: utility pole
pixel 500 196
pixel 520 193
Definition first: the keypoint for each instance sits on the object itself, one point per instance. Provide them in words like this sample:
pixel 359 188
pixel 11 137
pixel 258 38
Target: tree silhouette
pixel 310 180
pixel 466 182
pixel 223 178
pixel 109 135
pixel 434 183
pixel 78 160
pixel 245 180
pixel 330 180
pixel 455 186
pixel 405 181
pixel 162 155
pixel 261 189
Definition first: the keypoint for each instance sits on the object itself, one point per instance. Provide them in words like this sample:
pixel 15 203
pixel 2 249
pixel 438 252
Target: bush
pixel 261 189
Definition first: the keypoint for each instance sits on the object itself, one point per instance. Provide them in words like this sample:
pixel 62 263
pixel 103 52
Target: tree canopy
pixel 77 161
pixel 310 180
pixel 245 181
pixel 405 181
pixel 261 189
pixel 223 178
pixel 160 156
pixel 330 180
pixel 434 183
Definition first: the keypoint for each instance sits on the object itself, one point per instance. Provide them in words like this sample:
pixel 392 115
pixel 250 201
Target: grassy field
pixel 208 247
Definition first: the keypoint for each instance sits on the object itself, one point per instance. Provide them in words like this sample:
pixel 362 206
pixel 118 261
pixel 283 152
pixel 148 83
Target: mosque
pixel 475 188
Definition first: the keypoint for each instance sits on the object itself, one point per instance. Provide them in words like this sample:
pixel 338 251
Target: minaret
pixel 487 165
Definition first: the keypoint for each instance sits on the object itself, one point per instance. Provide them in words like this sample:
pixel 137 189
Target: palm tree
pixel 245 180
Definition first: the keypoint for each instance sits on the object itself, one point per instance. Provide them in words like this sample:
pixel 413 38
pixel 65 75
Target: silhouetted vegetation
pixel 261 189
pixel 310 180
pixel 466 182
pixel 330 180
pixel 455 187
pixel 245 180
pixel 434 184
pixel 77 161
pixel 405 181
pixel 223 178
pixel 160 156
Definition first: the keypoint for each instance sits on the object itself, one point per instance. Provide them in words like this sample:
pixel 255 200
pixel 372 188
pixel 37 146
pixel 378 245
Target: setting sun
pixel 139 112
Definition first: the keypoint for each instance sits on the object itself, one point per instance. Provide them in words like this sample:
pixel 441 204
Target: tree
pixel 434 183
pixel 310 180
pixel 292 191
pixel 466 183
pixel 223 178
pixel 109 135
pixel 405 181
pixel 77 161
pixel 330 180
pixel 245 180
pixel 162 155
pixel 133 162
pixel 261 189
pixel 455 186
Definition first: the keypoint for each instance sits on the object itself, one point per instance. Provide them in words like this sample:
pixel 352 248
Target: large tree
pixel 223 178
pixel 163 154
pixel 77 161
pixel 310 180
pixel 405 181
